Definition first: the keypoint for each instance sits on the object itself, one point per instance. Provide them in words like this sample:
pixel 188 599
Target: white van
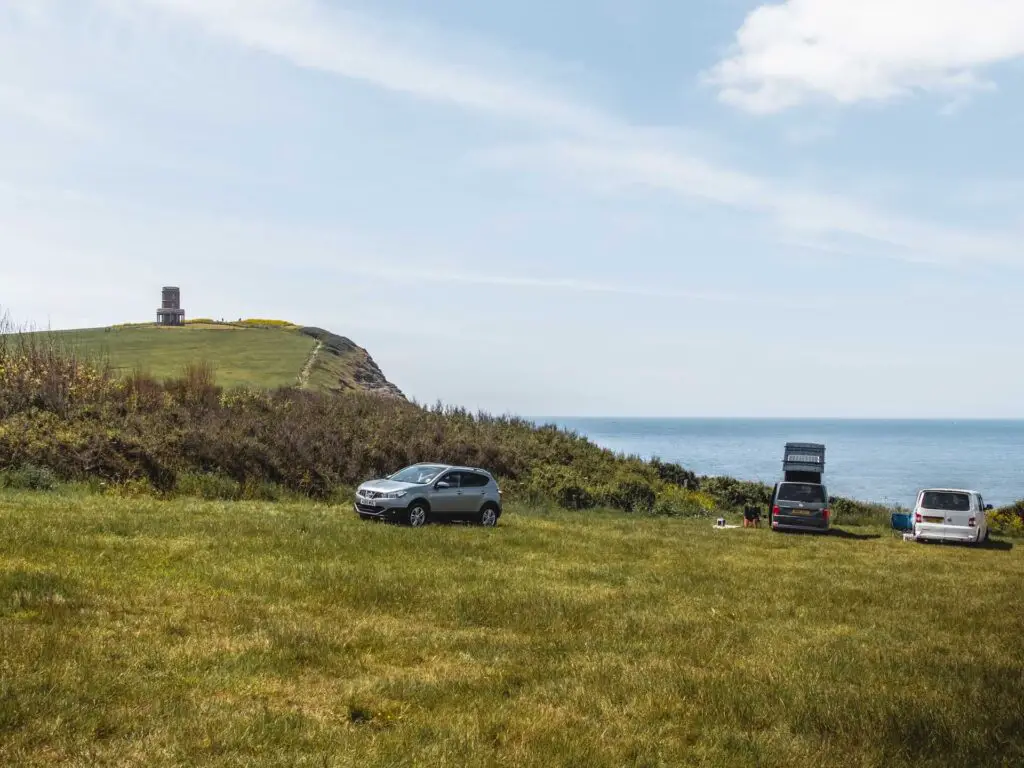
pixel 945 514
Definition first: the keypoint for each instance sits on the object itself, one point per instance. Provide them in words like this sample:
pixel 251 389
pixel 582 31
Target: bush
pixel 561 484
pixel 675 474
pixel 211 486
pixel 28 478
pixel 135 488
pixel 187 435
pixel 736 494
pixel 675 502
pixel 848 512
pixel 630 493
pixel 254 489
pixel 257 322
pixel 1008 521
pixel 197 387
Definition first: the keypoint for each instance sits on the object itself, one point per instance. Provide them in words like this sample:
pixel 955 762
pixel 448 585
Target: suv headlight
pixel 394 495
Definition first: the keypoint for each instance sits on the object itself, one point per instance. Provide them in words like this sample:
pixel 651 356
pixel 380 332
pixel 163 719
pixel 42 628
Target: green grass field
pixel 146 632
pixel 259 357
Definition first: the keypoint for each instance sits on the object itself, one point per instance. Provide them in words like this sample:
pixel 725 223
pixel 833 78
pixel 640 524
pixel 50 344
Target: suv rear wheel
pixel 416 516
pixel 489 516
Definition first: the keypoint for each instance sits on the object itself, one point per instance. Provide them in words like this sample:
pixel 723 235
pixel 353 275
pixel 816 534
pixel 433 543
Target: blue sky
pixel 719 207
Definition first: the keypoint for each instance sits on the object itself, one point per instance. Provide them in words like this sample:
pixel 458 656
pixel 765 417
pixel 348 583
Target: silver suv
pixel 431 492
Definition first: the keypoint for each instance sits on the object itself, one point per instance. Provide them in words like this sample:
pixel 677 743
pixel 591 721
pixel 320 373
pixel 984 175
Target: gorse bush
pixel 1008 520
pixel 257 322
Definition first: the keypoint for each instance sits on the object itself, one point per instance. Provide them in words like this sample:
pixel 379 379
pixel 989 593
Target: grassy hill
pixel 145 632
pixel 264 354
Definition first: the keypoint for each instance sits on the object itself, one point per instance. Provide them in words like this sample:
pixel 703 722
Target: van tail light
pixel 826 513
pixel 775 510
pixel 971 523
pixel 918 518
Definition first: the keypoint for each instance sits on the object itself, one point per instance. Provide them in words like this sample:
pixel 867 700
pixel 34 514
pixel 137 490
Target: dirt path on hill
pixel 307 369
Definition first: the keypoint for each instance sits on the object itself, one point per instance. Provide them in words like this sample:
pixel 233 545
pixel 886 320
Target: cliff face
pixel 340 365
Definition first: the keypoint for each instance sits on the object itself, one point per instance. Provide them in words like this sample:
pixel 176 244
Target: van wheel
pixel 489 517
pixel 416 515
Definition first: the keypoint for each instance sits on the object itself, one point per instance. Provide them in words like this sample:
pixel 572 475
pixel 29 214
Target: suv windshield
pixel 947 502
pixel 805 492
pixel 420 474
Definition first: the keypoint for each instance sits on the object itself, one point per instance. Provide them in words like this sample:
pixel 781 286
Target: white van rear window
pixel 946 501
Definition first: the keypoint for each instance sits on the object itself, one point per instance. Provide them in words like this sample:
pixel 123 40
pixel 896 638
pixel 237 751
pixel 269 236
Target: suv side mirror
pixel 442 484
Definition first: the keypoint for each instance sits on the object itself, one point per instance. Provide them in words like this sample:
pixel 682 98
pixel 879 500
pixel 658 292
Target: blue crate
pixel 902 521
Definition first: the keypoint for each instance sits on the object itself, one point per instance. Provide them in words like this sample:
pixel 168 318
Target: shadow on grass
pixel 835 533
pixel 842 533
pixel 998 545
pixel 993 545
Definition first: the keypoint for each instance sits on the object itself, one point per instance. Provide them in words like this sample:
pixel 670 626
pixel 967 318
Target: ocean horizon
pixel 880 460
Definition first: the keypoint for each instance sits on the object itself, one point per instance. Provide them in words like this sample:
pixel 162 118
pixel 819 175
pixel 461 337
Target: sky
pixel 590 207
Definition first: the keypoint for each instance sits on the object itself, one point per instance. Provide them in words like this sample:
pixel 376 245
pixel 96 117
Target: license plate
pixel 370 502
pixel 799 511
pixel 934 520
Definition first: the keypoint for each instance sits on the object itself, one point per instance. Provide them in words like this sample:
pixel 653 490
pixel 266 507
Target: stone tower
pixel 170 312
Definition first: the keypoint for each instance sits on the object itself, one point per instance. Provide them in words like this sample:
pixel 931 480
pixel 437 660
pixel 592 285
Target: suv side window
pixel 474 480
pixel 452 478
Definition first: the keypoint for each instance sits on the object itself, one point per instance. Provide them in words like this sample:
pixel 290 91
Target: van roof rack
pixel 804 462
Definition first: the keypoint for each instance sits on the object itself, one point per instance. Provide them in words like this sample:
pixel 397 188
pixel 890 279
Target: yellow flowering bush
pixel 255 322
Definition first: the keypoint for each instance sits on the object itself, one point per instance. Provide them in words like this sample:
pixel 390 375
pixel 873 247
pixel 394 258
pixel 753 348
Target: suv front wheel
pixel 417 514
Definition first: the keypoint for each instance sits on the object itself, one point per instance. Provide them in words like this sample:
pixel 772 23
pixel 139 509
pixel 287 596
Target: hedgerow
pixel 77 421
pixel 80 421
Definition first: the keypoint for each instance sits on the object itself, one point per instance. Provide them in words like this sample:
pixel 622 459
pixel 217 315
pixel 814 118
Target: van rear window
pixel 946 501
pixel 805 492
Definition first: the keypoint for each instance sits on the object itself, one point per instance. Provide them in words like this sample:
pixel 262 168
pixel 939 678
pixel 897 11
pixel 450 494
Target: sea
pixel 881 461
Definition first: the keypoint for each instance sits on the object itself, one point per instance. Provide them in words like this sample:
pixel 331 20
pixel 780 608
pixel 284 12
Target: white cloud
pixel 580 138
pixel 412 60
pixel 419 62
pixel 527 282
pixel 866 50
pixel 801 212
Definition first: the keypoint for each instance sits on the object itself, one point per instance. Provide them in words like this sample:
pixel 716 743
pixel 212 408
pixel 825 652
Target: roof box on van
pixel 804 462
